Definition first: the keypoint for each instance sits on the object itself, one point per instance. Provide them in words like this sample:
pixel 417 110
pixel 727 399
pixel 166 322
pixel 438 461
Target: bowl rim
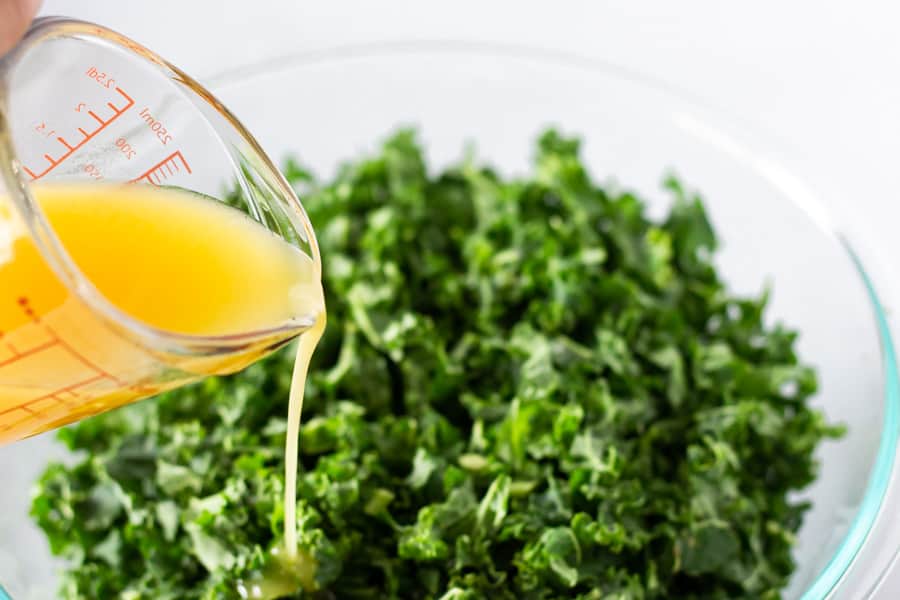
pixel 829 578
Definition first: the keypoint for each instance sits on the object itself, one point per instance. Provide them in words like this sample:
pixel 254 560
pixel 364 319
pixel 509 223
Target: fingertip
pixel 15 17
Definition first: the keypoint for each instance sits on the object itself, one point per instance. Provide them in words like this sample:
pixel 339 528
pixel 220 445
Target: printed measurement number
pixel 126 148
pixel 42 129
pixel 156 127
pixel 93 171
pixel 102 77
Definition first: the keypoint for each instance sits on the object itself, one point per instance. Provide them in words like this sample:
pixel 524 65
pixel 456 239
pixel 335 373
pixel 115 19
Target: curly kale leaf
pixel 528 389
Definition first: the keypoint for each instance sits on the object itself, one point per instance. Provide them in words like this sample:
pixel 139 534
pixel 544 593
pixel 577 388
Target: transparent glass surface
pixel 82 104
pixel 331 105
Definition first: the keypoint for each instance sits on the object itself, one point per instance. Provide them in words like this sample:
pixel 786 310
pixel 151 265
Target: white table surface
pixel 821 76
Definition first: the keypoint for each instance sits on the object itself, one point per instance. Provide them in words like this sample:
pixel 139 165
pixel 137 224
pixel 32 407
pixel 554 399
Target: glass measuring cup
pixel 79 102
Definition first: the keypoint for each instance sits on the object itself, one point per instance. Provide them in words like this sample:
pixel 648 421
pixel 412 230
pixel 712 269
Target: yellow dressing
pixel 177 262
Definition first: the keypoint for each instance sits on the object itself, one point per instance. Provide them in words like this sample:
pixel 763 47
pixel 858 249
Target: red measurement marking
pixel 20 355
pixel 72 386
pixel 71 393
pixel 64 401
pixel 164 168
pixel 54 395
pixel 70 149
pixel 96 118
pixel 60 400
pixel 82 359
pixel 55 341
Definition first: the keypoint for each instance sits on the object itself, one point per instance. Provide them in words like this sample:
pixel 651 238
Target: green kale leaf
pixel 527 390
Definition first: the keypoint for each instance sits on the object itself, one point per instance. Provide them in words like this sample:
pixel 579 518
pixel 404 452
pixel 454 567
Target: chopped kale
pixel 528 390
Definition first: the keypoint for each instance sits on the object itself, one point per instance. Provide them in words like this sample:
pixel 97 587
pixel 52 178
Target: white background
pixel 823 77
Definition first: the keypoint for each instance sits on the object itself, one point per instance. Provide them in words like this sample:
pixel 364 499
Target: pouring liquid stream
pixel 305 348
pixel 175 261
pixel 288 568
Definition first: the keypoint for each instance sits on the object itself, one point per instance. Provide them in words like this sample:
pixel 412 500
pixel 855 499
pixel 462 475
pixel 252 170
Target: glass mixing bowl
pixel 333 104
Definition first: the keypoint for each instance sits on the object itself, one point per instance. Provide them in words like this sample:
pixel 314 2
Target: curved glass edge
pixel 884 463
pixel 52 250
pixel 879 478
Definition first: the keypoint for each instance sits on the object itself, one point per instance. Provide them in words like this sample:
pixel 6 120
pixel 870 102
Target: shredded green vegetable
pixel 527 390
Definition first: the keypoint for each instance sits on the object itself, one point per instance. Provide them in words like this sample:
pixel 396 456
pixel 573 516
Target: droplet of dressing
pixel 284 574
